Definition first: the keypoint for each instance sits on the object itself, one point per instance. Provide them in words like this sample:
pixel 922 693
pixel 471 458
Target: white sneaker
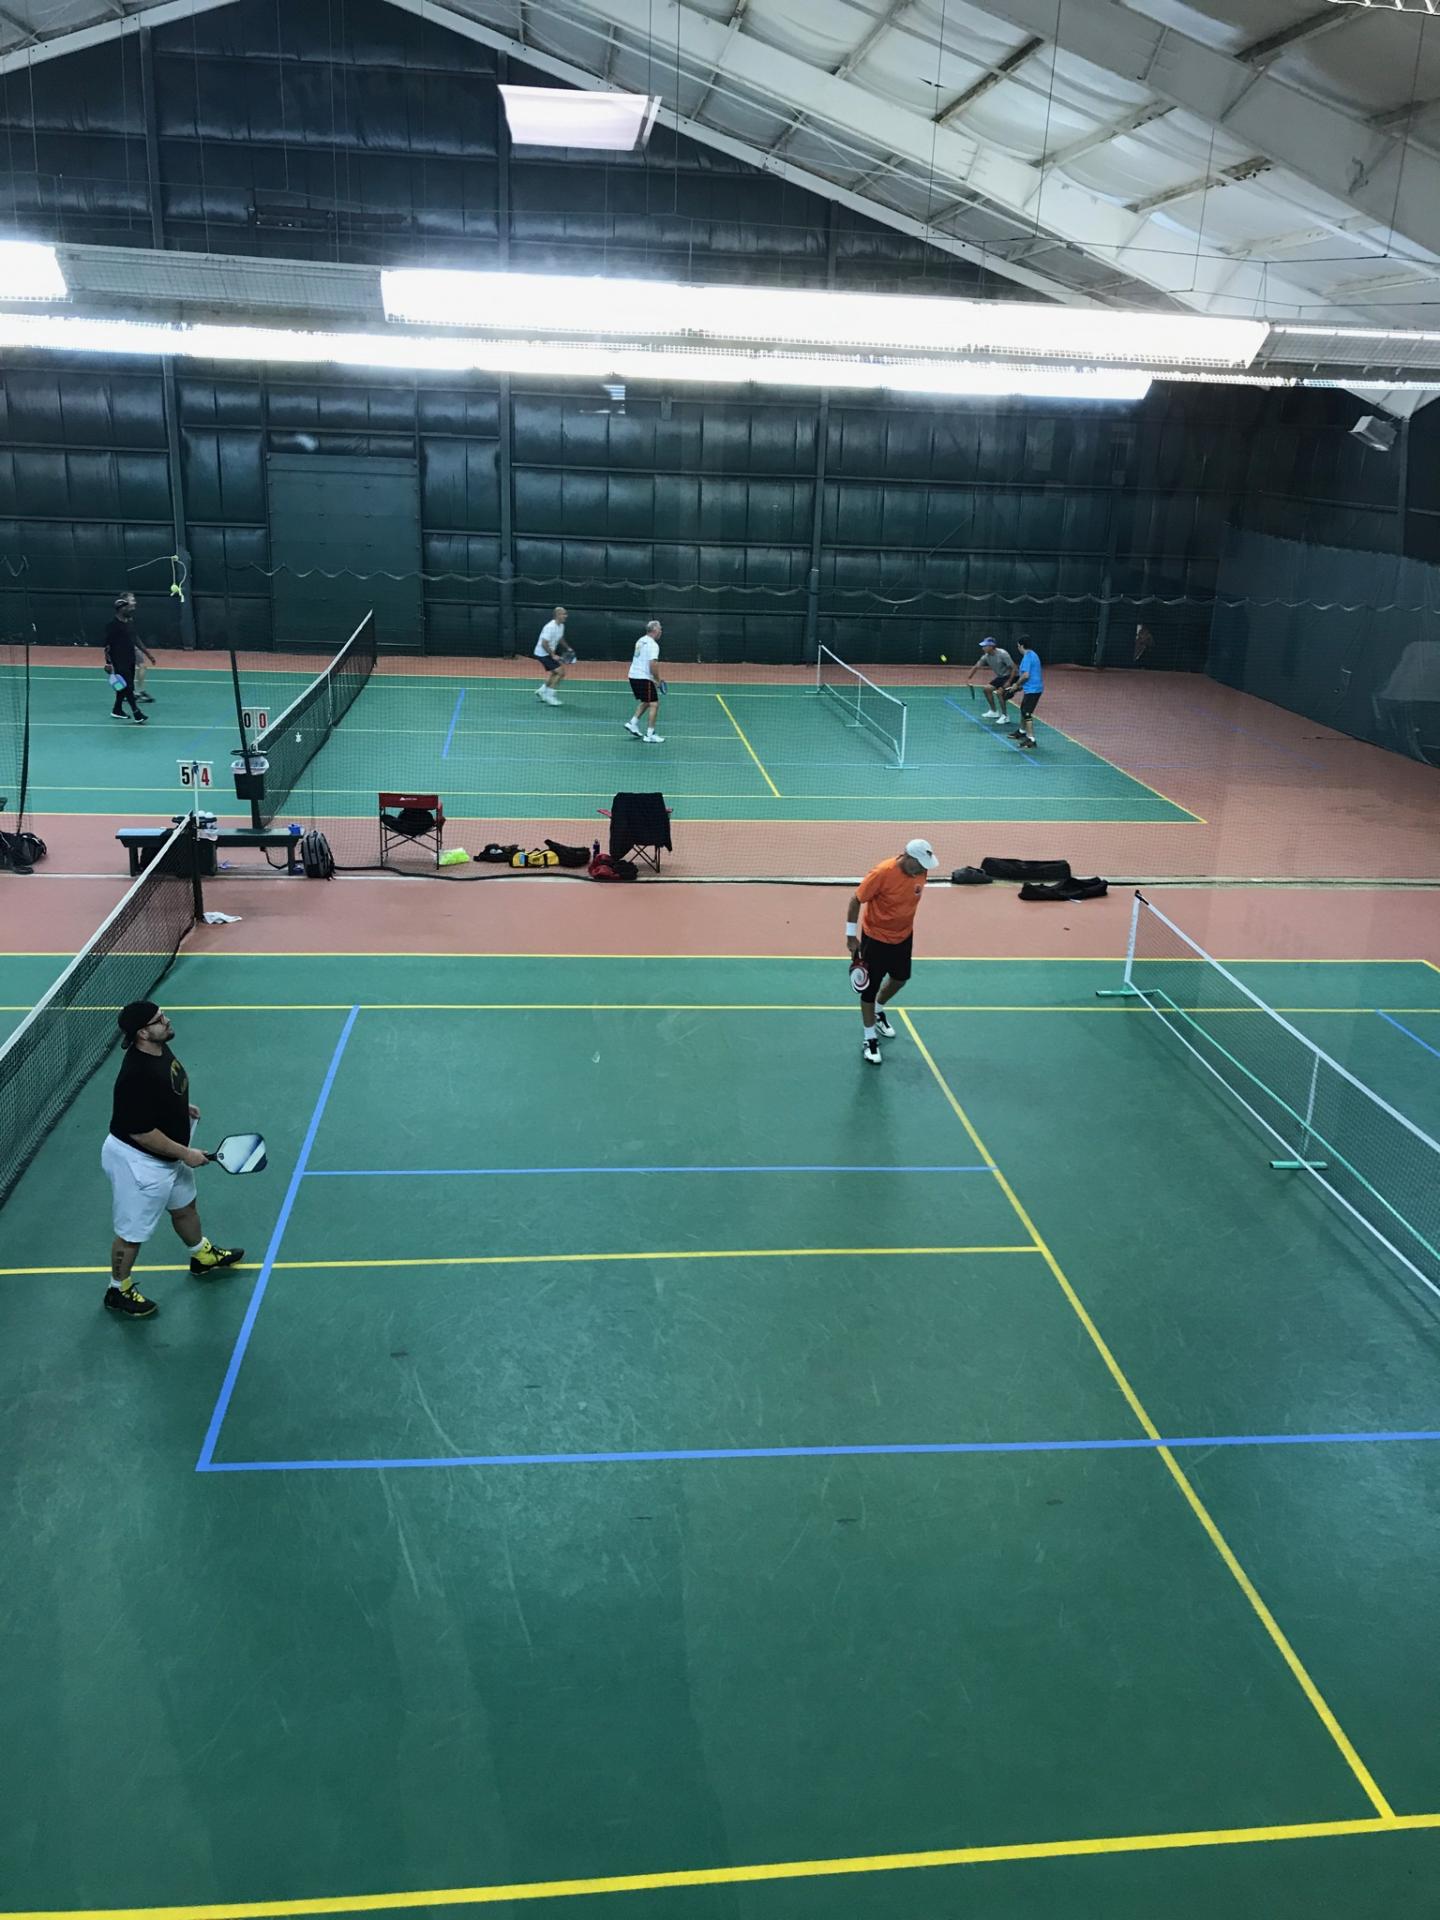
pixel 870 1053
pixel 883 1026
pixel 541 691
pixel 630 727
pixel 553 699
pixel 654 739
pixel 998 718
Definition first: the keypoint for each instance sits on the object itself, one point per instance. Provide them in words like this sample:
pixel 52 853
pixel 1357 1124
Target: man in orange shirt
pixel 890 896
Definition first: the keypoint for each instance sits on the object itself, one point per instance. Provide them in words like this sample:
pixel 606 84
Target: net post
pixel 197 885
pixel 904 733
pixel 1306 1131
pixel 255 821
pixel 1128 990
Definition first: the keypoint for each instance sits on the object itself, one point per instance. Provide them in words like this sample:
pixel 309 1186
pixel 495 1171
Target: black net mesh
pixel 292 740
pixel 14 732
pixel 66 1038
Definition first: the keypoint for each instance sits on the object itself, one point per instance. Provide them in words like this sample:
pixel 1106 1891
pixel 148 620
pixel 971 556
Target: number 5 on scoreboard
pixel 197 773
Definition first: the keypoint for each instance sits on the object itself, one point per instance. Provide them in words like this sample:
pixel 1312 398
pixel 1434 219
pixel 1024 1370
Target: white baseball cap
pixel 922 851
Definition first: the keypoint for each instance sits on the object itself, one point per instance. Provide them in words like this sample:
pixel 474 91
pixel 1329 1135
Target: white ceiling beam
pixel 468 28
pixel 1102 136
pixel 732 26
pixel 1207 183
pixel 1001 70
pixel 1327 144
pixel 77 39
pixel 847 66
pixel 1261 52
pixel 1394 118
pixel 871 40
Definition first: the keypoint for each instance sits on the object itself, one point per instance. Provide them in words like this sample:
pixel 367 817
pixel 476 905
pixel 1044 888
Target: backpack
pixel 22 851
pixel 316 857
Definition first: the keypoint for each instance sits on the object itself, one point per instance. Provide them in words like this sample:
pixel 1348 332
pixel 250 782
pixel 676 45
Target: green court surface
pixel 985 1477
pixel 731 751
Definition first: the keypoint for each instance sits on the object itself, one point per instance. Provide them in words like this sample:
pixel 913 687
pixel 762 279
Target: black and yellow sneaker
pixel 211 1258
pixel 130 1302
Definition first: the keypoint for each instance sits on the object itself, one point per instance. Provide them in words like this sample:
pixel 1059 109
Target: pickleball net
pixel 293 738
pixel 1381 1168
pixel 863 705
pixel 68 1035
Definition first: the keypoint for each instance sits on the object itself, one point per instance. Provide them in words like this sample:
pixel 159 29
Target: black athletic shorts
pixel 884 957
pixel 999 679
pixel 645 690
pixel 1028 703
pixel 548 662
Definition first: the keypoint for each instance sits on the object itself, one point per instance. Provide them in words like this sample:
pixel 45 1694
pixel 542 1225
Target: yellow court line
pixel 759 1872
pixel 575 1259
pixel 1197 1506
pixel 764 775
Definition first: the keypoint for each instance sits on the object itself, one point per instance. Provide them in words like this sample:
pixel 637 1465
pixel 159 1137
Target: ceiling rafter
pixel 27 34
pixel 1233 176
pixel 1102 136
pixel 1330 145
pixel 1001 70
pixel 1260 52
pixel 847 66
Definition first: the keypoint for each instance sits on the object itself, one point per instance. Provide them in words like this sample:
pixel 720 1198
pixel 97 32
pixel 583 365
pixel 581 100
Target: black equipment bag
pixel 22 851
pixel 1072 889
pixel 569 856
pixel 1045 871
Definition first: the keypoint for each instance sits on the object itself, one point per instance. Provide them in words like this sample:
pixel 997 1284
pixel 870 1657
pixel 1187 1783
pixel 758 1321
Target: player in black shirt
pixel 149 1159
pixel 122 653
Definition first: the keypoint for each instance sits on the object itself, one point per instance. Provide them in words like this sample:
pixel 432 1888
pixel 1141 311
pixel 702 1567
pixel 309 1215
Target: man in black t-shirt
pixel 123 650
pixel 149 1159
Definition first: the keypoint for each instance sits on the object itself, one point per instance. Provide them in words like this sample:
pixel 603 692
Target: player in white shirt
pixel 645 685
pixel 554 656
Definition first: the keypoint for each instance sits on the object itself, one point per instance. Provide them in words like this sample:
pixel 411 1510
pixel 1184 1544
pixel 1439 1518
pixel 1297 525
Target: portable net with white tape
pixel 1381 1168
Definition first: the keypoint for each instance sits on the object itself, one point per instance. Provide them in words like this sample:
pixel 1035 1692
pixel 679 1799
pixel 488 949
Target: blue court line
pixel 975 721
pixel 412 1173
pixel 272 1252
pixel 1407 1033
pixel 1140 1444
pixel 459 702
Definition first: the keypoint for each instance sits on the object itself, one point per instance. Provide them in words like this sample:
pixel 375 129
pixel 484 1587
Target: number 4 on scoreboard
pixel 197 773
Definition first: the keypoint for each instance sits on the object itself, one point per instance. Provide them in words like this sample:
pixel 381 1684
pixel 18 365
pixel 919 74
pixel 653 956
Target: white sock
pixel 870 1033
pixel 199 1247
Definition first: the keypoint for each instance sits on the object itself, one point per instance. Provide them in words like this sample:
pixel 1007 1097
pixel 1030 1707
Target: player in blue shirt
pixel 1029 682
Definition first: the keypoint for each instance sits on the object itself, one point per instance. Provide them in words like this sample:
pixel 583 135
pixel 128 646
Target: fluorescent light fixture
pixel 570 117
pixel 29 271
pixel 1431 7
pixel 607 309
pixel 450 353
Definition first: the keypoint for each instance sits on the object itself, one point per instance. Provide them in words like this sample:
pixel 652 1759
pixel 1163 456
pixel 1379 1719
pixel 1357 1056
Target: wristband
pixel 852 929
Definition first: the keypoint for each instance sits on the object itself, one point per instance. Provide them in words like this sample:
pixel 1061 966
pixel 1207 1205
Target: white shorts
pixel 144 1188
